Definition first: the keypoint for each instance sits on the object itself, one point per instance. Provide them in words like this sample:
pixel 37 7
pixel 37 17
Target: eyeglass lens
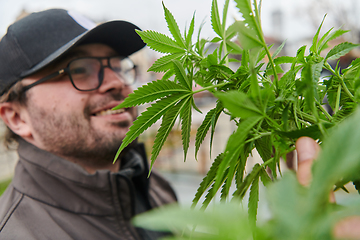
pixel 85 72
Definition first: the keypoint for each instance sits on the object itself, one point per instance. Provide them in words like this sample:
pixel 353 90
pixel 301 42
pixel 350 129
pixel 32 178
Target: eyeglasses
pixel 87 74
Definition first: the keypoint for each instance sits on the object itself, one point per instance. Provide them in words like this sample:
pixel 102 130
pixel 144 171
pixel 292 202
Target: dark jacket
pixel 52 198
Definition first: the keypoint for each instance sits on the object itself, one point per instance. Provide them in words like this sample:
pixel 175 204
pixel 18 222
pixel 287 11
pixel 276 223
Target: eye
pixel 78 70
pixel 116 69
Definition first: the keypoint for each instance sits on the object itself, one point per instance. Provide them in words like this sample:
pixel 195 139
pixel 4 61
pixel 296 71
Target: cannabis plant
pixel 272 99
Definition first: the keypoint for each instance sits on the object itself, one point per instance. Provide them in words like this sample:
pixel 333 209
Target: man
pixel 60 76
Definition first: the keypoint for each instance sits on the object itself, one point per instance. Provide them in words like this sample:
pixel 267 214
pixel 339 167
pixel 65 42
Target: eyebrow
pixel 76 53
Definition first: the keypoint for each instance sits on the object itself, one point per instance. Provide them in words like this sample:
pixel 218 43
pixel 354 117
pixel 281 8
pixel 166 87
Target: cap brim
pixel 119 35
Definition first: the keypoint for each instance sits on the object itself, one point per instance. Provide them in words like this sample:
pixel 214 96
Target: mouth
pixel 109 112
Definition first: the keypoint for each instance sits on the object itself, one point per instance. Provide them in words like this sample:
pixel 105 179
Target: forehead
pixel 88 50
pixel 93 50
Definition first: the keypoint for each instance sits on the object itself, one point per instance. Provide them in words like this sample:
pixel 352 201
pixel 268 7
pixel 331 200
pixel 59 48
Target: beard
pixel 71 135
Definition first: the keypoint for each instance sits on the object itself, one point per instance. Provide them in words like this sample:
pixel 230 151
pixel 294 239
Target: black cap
pixel 38 39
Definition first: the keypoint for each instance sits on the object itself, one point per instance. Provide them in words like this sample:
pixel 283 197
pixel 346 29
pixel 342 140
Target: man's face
pixel 79 125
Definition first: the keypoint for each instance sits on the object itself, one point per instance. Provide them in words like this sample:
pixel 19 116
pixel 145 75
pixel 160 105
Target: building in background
pixel 290 20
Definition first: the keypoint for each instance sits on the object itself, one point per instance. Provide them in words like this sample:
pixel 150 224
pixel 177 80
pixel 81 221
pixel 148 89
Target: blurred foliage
pixel 4 185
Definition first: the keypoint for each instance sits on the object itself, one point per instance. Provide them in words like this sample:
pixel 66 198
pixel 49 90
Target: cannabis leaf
pixel 160 42
pixel 167 124
pixel 149 117
pixel 164 63
pixel 173 27
pixel 151 92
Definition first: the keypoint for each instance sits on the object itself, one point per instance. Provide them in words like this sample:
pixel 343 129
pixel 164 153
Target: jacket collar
pixel 55 181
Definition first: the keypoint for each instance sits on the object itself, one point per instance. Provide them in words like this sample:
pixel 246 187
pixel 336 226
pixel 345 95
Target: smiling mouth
pixel 109 112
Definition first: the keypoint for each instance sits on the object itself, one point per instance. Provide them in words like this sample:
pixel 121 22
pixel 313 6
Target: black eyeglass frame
pixel 67 71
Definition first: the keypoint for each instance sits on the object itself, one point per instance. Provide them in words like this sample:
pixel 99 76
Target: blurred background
pixel 290 20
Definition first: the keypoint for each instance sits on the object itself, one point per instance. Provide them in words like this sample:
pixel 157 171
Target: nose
pixel 111 80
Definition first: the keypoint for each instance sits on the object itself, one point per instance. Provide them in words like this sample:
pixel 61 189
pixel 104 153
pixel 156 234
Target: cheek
pixel 134 113
pixel 58 100
pixel 126 91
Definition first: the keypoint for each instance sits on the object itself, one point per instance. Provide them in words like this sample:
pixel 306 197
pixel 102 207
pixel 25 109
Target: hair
pixel 14 94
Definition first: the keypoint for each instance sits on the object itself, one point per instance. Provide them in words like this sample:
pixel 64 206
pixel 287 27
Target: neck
pixel 92 168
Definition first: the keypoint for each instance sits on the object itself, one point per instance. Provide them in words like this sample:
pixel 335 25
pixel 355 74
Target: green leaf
pixel 288 207
pixel 264 147
pixel 185 116
pixel 264 177
pixel 356 184
pixel 225 11
pixel 208 179
pixel 151 92
pixel 313 131
pixel 181 75
pixel 215 40
pixel 238 104
pixel 173 27
pixel 218 223
pixel 328 37
pixel 231 32
pixel 353 67
pixel 200 44
pixel 212 59
pixel 239 177
pixel 253 201
pixel 3 185
pixel 270 71
pixel 195 107
pixel 241 190
pixel 148 118
pixel 167 124
pixel 340 50
pixel 314 47
pixel 168 74
pixel 160 42
pixel 337 160
pixel 233 47
pixel 221 70
pixel 245 9
pixel 203 130
pixel 190 33
pixel 278 50
pixel 248 37
pixel 244 61
pixel 214 119
pixel 229 179
pixel 234 147
pixel 215 19
pixel 310 76
pixel 164 63
pixel 283 59
pixel 300 54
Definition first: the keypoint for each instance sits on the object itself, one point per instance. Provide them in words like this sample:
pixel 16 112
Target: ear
pixel 15 117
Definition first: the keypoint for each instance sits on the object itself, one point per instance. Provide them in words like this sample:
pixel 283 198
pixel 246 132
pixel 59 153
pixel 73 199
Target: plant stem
pixel 262 39
pixel 268 162
pixel 347 91
pixel 210 87
pixel 338 97
pixel 295 116
pixel 304 122
pixel 260 135
pixel 273 122
pixel 305 116
pixel 328 116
